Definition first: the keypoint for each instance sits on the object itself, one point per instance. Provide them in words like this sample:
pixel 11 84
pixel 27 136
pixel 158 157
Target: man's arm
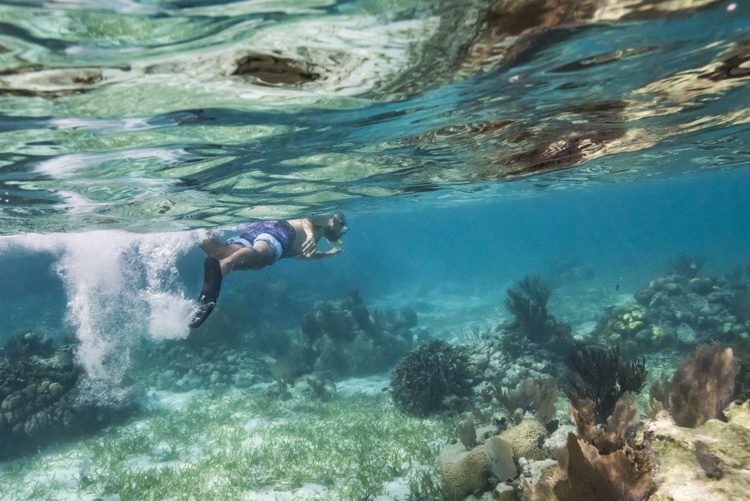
pixel 308 246
pixel 321 255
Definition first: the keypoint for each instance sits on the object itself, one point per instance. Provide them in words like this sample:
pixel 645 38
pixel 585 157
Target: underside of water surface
pixel 543 293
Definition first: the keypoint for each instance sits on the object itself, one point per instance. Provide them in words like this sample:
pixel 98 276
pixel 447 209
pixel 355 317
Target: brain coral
pixel 463 471
pixel 526 439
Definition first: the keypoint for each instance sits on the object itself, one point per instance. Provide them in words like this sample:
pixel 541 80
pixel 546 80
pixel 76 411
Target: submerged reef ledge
pixel 708 462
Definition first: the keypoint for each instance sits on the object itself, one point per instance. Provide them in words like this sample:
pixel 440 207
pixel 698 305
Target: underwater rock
pixel 500 457
pixel 489 430
pixel 504 492
pixel 314 387
pixel 556 444
pixel 526 439
pixel 427 376
pixel 686 334
pixel 279 389
pixel 702 285
pixel 708 462
pixel 467 433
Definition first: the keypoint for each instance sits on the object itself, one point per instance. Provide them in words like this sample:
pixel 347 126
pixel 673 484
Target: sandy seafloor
pixel 76 470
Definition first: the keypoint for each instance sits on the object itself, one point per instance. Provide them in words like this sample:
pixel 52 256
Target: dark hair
pixel 340 216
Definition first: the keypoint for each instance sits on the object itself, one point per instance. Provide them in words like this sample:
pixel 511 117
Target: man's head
pixel 336 226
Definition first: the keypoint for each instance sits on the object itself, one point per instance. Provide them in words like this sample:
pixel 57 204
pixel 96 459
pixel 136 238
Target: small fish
pixel 617 287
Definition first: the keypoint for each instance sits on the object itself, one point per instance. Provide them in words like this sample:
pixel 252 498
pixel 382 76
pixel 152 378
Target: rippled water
pixel 157 115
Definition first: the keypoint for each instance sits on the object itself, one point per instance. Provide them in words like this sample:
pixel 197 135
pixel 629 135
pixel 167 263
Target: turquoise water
pixel 470 144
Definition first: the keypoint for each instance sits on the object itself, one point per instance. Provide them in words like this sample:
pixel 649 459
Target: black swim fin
pixel 209 292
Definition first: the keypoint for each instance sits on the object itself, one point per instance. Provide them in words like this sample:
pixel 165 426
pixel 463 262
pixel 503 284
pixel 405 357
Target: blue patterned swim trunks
pixel 279 235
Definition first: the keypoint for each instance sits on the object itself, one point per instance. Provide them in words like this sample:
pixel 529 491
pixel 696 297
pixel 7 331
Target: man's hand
pixel 335 251
pixel 308 247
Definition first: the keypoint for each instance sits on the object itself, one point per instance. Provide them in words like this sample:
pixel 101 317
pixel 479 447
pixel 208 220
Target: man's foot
pixel 209 293
pixel 202 312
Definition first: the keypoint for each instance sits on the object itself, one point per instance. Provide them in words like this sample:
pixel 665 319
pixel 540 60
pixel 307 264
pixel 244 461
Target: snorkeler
pixel 260 245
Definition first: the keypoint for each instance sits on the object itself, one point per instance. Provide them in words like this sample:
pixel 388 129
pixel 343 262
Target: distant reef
pixel 679 310
pixel 346 338
pixel 672 422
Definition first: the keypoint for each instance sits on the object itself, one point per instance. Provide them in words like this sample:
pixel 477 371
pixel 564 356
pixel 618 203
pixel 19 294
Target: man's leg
pixel 256 257
pixel 218 250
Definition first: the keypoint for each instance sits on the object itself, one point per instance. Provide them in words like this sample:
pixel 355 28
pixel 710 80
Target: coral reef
pixel 464 472
pixel 180 366
pixel 424 381
pixel 701 388
pixel 602 377
pixel 346 339
pixel 678 310
pixel 39 396
pixel 600 463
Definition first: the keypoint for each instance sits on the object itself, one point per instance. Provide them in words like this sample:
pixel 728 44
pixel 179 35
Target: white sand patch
pixel 306 492
pixel 144 462
pixel 370 385
pixel 252 425
pixel 59 474
pixel 395 490
pixel 171 400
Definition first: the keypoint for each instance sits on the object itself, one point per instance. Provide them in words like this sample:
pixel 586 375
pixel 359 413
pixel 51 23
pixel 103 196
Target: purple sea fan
pixel 703 385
